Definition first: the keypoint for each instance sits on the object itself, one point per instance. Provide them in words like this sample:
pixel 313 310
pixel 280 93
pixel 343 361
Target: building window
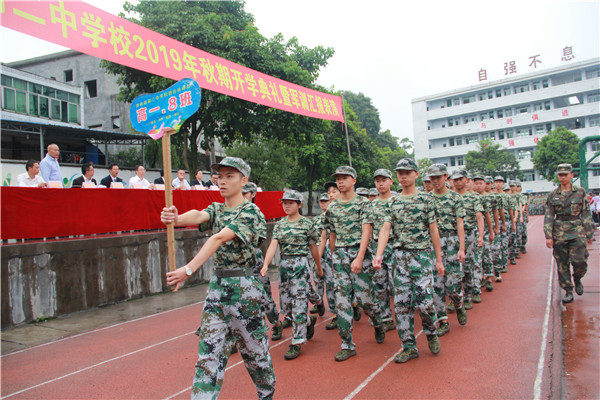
pixel 528 176
pixel 452 161
pixel 547 105
pixel 456 102
pixel 594 121
pixel 593 98
pixel 460 160
pixel 524 154
pixel 459 141
pixel 500 114
pixel 522 88
pixel 490 95
pixel 594 146
pixel 524 132
pixel 116 122
pixel 481 96
pixel 548 126
pixel 545 83
pixel 498 92
pixel 507 91
pixel 510 134
pixel 483 117
pixel 523 109
pixel 537 107
pixel 451 141
pixel 500 135
pixel 539 130
pixel 68 75
pixel 595 73
pixel 470 119
pixel 91 88
pixel 469 99
pixel 449 103
pixel 508 112
pixel 536 85
pixel 450 122
pixel 471 139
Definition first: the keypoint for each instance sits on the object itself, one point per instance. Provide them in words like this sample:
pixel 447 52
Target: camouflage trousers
pixel 504 238
pixel 294 288
pixel 513 248
pixel 472 268
pixel 382 283
pixel 497 253
pixel 268 305
pixel 487 255
pixel 325 286
pixel 451 283
pixel 232 314
pixel 522 234
pixel 571 252
pixel 413 291
pixel 350 286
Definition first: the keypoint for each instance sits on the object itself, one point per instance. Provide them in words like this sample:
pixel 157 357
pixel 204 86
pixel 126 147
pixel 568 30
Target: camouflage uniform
pixel 448 208
pixel 489 205
pixel 345 220
pixel 569 224
pixel 382 276
pixel 505 236
pixel 513 250
pixel 472 266
pixel 413 263
pixel 268 305
pixel 496 249
pixel 294 239
pixel 522 226
pixel 232 310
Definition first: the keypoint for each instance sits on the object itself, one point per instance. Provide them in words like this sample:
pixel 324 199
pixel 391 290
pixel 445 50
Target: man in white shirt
pixel 180 183
pixel 140 172
pixel 49 167
pixel 31 178
pixel 87 172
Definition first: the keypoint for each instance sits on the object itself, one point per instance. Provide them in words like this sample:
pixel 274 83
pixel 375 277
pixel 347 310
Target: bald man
pixel 49 167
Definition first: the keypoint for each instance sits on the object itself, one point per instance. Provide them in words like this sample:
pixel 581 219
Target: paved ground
pixel 512 347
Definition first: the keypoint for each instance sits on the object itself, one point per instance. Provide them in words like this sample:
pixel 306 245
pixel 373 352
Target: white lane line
pixel 97 365
pixel 374 374
pixel 100 329
pixel 537 386
pixel 242 361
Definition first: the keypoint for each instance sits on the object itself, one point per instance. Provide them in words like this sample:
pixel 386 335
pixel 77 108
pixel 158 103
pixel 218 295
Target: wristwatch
pixel 188 271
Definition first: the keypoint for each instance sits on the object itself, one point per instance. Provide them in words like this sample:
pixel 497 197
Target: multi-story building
pixel 515 112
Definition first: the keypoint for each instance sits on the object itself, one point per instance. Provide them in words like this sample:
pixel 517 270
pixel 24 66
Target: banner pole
pixel 166 148
pixel 346 126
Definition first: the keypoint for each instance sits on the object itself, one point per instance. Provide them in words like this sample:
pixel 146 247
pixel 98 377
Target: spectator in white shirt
pixel 31 178
pixel 140 172
pixel 180 183
pixel 49 165
pixel 214 179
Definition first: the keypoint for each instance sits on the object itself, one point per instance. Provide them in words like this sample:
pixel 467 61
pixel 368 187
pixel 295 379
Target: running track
pixel 506 350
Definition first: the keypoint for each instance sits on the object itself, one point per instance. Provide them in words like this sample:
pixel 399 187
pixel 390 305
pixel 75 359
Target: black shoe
pixel 332 325
pixel 310 331
pixel 357 313
pixel 517 256
pixel 489 286
pixel 277 331
pixel 320 309
pixel 379 334
pixel 314 310
pixel 578 287
pixel 568 297
pixel 513 262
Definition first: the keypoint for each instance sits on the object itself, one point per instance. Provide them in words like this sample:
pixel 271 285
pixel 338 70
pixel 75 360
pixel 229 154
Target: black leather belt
pixel 567 217
pixel 229 273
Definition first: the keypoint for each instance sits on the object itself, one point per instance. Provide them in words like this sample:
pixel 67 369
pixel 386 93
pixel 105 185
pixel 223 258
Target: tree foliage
pixel 226 30
pixel 367 114
pixel 491 160
pixel 557 147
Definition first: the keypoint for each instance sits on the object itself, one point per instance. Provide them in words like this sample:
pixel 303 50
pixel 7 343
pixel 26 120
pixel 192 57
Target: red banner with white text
pixel 90 30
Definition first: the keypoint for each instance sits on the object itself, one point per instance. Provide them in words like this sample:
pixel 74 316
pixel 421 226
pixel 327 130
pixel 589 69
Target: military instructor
pixel 567 225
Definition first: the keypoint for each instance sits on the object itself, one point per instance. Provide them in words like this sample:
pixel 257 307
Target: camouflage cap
pixel 329 184
pixel 373 192
pixel 512 182
pixel 407 164
pixel 498 178
pixel 478 177
pixel 324 197
pixel 393 192
pixel 564 168
pixel 250 187
pixel 344 170
pixel 459 173
pixel 489 179
pixel 292 195
pixel 361 191
pixel 518 183
pixel 233 162
pixel 506 186
pixel 386 173
pixel 437 170
pixel 426 178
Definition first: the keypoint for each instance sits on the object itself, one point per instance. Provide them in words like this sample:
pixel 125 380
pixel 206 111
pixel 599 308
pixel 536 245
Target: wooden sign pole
pixel 166 148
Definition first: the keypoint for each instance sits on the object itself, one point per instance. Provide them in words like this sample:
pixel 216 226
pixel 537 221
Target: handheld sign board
pixel 161 115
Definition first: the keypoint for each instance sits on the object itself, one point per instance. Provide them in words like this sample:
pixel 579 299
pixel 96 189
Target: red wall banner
pixel 28 213
pixel 89 30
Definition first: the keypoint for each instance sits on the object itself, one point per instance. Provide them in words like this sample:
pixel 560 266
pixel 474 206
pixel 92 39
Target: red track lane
pixel 494 356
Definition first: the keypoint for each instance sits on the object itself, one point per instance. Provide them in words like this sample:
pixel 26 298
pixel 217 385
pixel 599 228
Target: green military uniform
pixel 569 224
pixel 345 220
pixel 410 217
pixel 324 286
pixel 294 239
pixel 448 209
pixel 489 205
